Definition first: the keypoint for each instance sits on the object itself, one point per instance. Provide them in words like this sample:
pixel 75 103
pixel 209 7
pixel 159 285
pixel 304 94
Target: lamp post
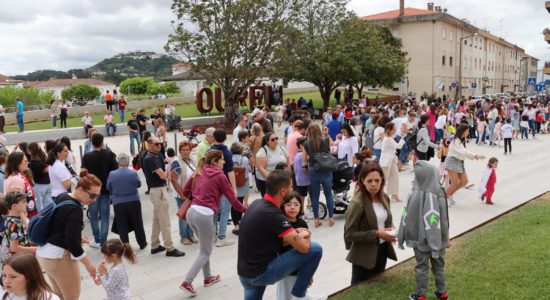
pixel 460 66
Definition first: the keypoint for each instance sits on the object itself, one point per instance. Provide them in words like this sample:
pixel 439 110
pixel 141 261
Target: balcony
pixel 546 69
pixel 547 5
pixel 546 33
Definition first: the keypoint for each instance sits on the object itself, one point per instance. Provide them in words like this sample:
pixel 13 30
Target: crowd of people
pixel 214 185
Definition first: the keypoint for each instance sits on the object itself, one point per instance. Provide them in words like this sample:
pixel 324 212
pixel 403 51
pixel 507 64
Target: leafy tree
pixel 170 87
pixel 379 59
pixel 317 51
pixel 136 85
pixel 231 43
pixel 81 93
pixel 29 96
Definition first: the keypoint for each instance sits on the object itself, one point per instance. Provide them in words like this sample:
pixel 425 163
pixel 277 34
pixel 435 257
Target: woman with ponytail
pixel 205 189
pixel 60 177
pixel 60 255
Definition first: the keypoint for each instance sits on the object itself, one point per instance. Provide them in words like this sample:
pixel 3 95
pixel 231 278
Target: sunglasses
pixel 157 144
pixel 92 195
pixel 274 139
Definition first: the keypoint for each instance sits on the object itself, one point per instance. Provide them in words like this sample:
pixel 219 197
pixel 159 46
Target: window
pixel 450 61
pixel 465 42
pixel 443 31
pixel 450 35
pixel 443 60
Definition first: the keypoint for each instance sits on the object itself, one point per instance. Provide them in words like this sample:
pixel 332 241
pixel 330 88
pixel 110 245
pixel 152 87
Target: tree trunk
pixel 359 88
pixel 230 112
pixel 325 92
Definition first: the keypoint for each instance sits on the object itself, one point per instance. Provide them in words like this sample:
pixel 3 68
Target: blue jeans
pixel 133 136
pixel 282 266
pixel 185 229
pixel 532 127
pixel 112 128
pixel 438 135
pixel 20 123
pixel 121 115
pixel 42 195
pixel 404 154
pixel 524 132
pixel 316 180
pixel 491 130
pixel 223 215
pixel 377 153
pixel 100 209
pixel 54 121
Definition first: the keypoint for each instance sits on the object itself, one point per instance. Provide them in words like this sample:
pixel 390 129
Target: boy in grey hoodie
pixel 425 228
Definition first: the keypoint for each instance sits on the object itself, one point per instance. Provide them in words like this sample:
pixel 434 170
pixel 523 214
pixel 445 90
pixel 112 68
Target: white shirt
pixel 236 133
pixel 507 131
pixel 398 122
pixel 12 296
pixel 441 121
pixel 377 140
pixel 347 148
pixel 389 146
pixel 58 173
pixel 87 120
pixel 381 216
pixel 108 119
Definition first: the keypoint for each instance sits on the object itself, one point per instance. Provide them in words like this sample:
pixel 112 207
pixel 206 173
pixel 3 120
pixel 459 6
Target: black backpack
pixel 411 139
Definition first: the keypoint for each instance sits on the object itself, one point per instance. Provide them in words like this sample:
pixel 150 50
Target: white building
pixel 56 86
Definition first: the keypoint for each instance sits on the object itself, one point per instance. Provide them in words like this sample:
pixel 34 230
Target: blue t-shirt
pixel 19 104
pixel 334 128
pixel 227 156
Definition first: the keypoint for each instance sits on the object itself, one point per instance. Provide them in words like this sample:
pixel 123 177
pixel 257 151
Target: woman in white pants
pixel 388 160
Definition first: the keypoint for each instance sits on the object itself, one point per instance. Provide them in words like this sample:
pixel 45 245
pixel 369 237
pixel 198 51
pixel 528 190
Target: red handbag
pixel 182 211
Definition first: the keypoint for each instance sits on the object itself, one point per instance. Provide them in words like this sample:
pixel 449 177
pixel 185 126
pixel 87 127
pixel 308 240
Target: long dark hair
pixel 65 140
pixel 12 166
pixel 460 132
pixel 423 121
pixel 368 168
pixel 27 265
pixel 298 197
pixel 52 155
pixel 36 152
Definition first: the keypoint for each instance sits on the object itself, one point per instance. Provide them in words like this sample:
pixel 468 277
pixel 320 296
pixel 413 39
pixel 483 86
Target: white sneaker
pixel 452 201
pixel 95 245
pixel 309 296
pixel 224 242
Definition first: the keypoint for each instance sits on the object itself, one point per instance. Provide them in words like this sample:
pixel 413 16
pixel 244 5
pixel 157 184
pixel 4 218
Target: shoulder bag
pixel 182 211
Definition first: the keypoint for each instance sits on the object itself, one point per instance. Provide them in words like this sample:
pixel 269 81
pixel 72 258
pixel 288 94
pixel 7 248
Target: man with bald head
pixel 155 175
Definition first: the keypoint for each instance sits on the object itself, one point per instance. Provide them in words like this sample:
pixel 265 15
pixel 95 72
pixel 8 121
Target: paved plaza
pixel 521 177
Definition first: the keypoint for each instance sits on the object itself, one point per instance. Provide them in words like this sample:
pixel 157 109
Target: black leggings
pixel 63 122
pixel 260 184
pixel 109 105
pixel 236 216
pixel 128 218
pixel 359 274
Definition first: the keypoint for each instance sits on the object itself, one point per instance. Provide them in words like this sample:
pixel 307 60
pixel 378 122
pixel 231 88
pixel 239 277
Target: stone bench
pixel 78 132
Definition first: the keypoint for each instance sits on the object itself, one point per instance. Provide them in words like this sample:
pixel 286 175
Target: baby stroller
pixel 192 135
pixel 173 122
pixel 341 181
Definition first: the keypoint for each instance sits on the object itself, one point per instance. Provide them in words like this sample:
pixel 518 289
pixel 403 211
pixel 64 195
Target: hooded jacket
pixel 425 219
pixel 209 187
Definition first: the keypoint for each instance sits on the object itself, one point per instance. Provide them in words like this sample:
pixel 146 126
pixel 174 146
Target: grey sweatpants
pixel 204 229
pixel 422 269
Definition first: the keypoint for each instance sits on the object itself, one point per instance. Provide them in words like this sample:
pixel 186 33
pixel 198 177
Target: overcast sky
pixel 61 35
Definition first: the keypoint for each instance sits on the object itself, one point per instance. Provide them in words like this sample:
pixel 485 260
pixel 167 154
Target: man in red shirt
pixel 121 108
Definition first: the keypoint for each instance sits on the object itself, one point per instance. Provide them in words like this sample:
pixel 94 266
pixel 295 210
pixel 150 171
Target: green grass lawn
pixel 505 259
pixel 184 110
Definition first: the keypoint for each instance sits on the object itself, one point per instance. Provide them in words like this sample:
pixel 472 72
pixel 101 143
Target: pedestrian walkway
pixel 521 177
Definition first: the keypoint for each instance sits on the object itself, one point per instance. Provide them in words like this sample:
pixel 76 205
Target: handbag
pixel 182 211
pixel 324 162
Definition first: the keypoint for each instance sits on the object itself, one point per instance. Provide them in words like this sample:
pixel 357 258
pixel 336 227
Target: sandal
pixel 331 222
pixel 318 223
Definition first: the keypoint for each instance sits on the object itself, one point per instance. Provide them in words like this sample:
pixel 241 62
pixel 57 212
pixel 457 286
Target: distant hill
pixel 114 69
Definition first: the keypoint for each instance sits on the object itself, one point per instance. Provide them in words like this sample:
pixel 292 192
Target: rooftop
pixel 66 82
pixel 5 79
pixel 409 11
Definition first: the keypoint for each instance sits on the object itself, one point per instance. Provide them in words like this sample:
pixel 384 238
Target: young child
pixel 425 228
pixel 334 146
pixel 442 155
pixel 115 281
pixel 292 207
pixel 515 125
pixel 497 133
pixel 507 134
pixel 481 130
pixel 16 239
pixel 488 181
pixel 302 179
pixel 170 157
pixel 524 126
